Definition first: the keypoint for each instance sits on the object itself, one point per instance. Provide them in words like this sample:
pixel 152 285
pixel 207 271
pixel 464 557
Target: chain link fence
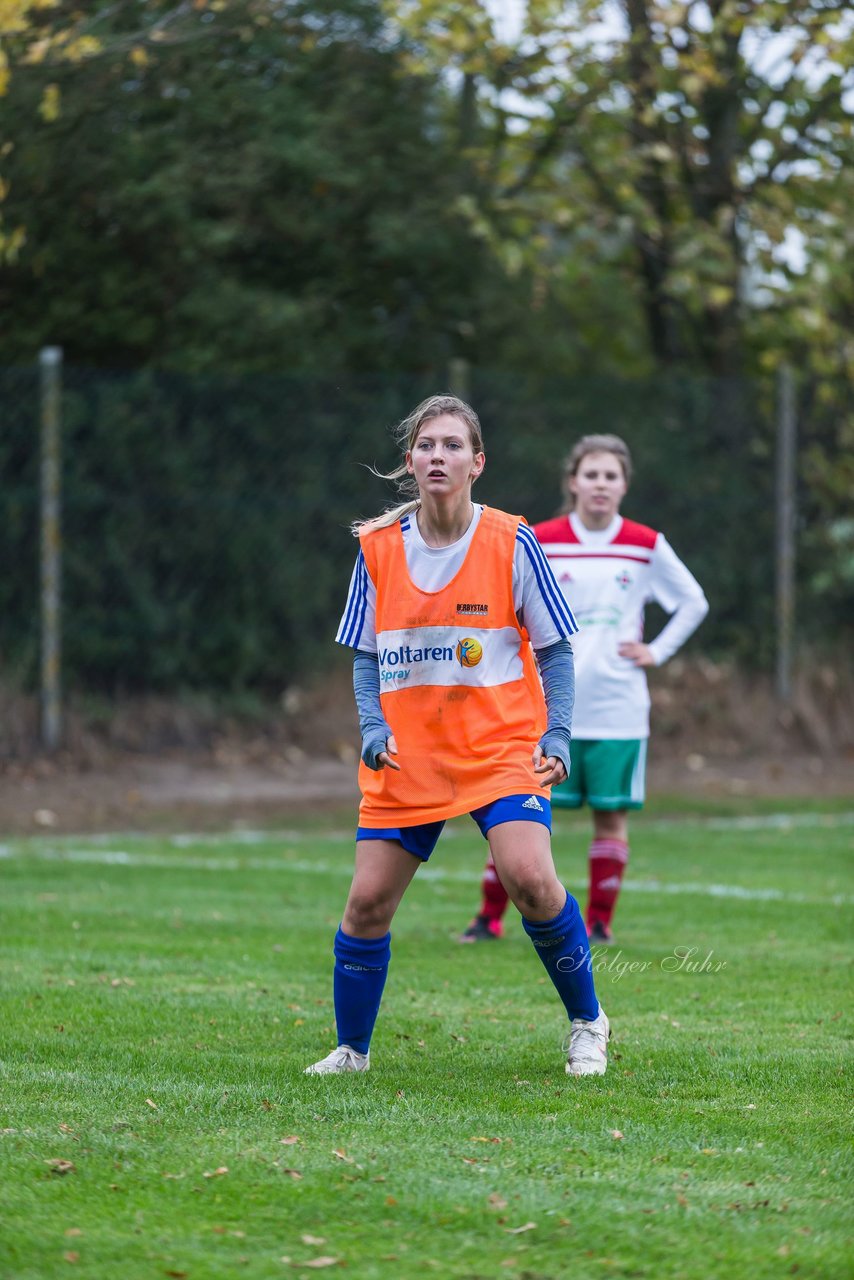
pixel 205 539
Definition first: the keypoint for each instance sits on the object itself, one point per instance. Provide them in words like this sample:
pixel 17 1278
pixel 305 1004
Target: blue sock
pixel 361 966
pixel 563 947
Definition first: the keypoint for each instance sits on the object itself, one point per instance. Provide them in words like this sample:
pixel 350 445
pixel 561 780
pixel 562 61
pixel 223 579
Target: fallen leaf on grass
pixel 496 1201
pixel 216 1173
pixel 71 1256
pixel 517 1231
pixel 266 1104
pixel 342 1155
pixel 616 1134
pixel 74 1231
pixel 307 1239
pixel 66 1128
pixel 177 1275
pixel 289 1142
pixel 319 1262
pixel 149 1103
pixel 173 1177
pixel 61 1166
pixel 293 1173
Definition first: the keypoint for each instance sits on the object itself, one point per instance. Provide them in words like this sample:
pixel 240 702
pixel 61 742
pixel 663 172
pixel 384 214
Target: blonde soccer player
pixel 448 602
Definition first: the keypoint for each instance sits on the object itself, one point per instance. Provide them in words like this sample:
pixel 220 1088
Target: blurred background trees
pixel 368 185
pixel 620 215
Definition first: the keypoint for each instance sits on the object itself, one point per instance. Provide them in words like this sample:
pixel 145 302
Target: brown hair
pixel 406 433
pixel 594 444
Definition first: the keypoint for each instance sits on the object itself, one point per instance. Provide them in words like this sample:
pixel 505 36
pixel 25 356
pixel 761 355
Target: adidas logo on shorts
pixel 533 803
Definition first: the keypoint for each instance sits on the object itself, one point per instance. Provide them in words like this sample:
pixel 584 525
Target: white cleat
pixel 343 1059
pixel 587 1051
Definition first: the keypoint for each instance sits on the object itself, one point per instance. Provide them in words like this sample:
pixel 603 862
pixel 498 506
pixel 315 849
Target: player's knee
pixel 536 892
pixel 366 912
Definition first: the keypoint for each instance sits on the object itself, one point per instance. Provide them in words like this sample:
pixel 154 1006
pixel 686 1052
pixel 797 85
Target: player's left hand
pixel 636 652
pixel 550 767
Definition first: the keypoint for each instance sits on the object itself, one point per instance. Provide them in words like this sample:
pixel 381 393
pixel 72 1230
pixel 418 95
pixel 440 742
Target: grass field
pixel 161 997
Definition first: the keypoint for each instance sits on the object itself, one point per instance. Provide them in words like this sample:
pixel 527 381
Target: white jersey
pixel 608 575
pixel 540 605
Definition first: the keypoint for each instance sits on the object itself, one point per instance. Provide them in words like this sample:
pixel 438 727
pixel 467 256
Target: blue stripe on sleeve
pixel 354 616
pixel 553 597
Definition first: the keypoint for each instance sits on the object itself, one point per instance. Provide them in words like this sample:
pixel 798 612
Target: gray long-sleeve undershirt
pixel 557 671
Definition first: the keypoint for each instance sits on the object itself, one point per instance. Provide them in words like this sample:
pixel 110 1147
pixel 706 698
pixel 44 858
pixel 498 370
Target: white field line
pixel 302 866
pixel 277 838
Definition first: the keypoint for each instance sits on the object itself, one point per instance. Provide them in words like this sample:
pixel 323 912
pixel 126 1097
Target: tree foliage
pixel 278 192
pixel 691 143
pixel 53 35
pixel 339 183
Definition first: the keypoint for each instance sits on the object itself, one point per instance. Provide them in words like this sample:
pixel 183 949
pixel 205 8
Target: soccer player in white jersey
pixel 608 568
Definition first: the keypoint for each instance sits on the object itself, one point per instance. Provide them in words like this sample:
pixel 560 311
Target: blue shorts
pixel 421 840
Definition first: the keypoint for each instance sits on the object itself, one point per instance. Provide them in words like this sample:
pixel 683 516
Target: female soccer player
pixel 608 568
pixel 446 601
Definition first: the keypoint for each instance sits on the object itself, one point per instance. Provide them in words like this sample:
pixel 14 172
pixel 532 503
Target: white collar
pixel 595 537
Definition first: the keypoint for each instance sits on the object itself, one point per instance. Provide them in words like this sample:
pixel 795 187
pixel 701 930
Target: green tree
pixel 273 194
pixel 53 35
pixel 685 143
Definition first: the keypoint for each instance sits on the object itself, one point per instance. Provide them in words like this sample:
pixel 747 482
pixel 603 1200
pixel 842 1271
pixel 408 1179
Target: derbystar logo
pixel 480 609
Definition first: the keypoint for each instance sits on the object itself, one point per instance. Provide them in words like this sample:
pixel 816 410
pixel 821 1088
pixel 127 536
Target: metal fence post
pixel 459 377
pixel 784 558
pixel 50 361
